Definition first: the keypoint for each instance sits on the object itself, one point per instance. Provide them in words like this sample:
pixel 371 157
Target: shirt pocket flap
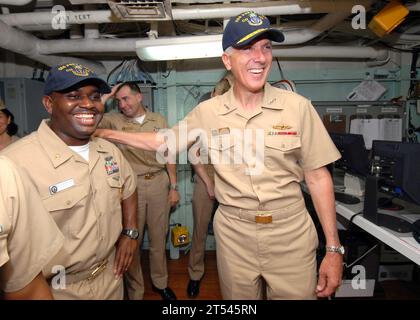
pixel 65 199
pixel 283 144
pixel 222 146
pixel 115 182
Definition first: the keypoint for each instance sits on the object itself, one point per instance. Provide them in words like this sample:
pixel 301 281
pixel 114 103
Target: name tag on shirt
pixel 61 186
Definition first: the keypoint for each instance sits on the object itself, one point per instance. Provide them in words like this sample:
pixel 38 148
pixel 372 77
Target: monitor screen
pixel 397 165
pixel 354 156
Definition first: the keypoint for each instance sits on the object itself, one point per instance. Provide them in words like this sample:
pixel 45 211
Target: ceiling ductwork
pixel 138 10
pixel 26 44
pixel 124 28
pixel 14 2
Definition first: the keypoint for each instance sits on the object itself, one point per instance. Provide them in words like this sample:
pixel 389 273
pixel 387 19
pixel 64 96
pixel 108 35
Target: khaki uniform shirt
pixel 141 161
pixel 293 140
pixel 83 198
pixel 29 237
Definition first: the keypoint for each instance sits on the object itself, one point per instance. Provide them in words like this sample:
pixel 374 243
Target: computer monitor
pixel 395 171
pixel 354 160
pixel 354 156
pixel 397 163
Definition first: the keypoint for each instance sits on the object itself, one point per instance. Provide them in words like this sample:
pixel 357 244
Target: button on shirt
pixel 292 139
pixel 84 198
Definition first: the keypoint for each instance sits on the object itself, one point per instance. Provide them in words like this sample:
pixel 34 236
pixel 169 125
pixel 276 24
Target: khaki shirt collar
pixel 149 116
pixel 58 151
pixel 270 101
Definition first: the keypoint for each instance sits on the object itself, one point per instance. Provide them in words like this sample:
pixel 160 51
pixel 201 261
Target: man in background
pixel 156 185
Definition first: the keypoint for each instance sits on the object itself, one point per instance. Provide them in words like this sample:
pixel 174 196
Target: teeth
pixel 256 70
pixel 84 116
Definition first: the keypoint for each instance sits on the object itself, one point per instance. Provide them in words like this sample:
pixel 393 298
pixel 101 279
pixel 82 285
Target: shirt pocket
pixel 224 156
pixel 116 186
pixel 282 152
pixel 69 209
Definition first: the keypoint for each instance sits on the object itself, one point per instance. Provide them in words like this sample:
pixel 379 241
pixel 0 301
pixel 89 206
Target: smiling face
pixel 129 102
pixel 75 114
pixel 4 122
pixel 250 65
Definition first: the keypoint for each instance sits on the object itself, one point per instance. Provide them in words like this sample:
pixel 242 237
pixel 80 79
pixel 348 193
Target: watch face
pixel 131 233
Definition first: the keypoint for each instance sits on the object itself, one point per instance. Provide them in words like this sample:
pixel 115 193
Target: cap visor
pixel 271 34
pixel 98 82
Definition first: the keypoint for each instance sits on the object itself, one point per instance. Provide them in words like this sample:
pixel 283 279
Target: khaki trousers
pixel 153 210
pixel 280 253
pixel 104 287
pixel 202 211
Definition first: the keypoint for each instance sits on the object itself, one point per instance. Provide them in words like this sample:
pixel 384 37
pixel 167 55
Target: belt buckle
pixel 148 176
pixel 263 219
pixel 101 267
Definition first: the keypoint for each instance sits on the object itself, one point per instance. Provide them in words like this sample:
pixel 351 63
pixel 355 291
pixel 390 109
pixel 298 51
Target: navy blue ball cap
pixel 246 27
pixel 68 75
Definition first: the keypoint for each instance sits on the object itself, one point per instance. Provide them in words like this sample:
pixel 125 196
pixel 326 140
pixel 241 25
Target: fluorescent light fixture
pixel 178 48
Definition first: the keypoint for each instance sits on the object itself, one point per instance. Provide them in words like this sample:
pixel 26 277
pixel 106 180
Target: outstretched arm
pixel 148 141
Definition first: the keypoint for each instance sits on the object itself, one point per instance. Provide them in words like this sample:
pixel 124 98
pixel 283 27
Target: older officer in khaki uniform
pixel 29 237
pixel 86 185
pixel 265 237
pixel 157 188
pixel 203 204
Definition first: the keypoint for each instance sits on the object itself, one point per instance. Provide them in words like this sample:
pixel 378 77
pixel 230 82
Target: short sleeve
pixel 187 131
pixel 33 238
pixel 317 148
pixel 128 176
pixel 106 122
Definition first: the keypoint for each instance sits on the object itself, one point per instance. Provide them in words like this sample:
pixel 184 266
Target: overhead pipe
pixel 26 44
pixel 292 37
pixel 14 2
pixel 33 19
pixel 265 8
pixel 338 52
pixel 87 45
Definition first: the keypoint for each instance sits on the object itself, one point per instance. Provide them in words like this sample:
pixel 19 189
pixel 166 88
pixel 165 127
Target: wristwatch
pixel 131 233
pixel 339 249
pixel 173 187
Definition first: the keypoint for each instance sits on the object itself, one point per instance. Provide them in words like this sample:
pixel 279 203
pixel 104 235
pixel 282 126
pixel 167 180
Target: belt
pixel 264 217
pixel 88 275
pixel 150 175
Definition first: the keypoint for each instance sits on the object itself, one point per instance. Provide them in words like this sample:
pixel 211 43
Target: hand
pixel 100 133
pixel 330 274
pixel 210 190
pixel 106 96
pixel 124 254
pixel 173 198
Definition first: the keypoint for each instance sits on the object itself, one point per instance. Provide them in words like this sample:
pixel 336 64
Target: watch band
pixel 131 233
pixel 336 249
pixel 173 187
